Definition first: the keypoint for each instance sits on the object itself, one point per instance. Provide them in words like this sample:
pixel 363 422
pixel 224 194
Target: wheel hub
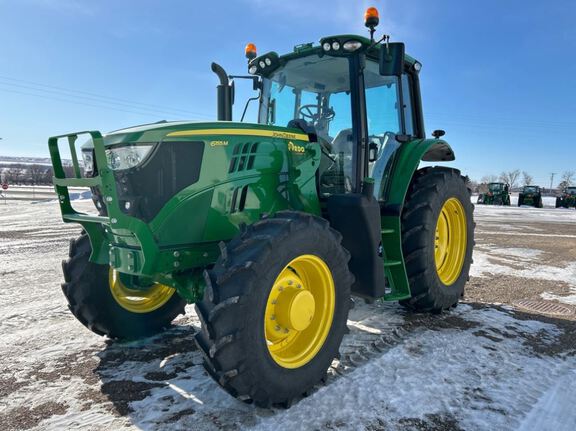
pixel 295 308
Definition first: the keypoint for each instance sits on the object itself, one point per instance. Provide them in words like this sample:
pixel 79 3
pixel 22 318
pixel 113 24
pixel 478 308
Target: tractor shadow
pixel 160 383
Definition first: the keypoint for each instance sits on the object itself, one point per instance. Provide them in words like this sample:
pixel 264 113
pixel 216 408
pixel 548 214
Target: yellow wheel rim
pixel 299 311
pixel 137 300
pixel 450 244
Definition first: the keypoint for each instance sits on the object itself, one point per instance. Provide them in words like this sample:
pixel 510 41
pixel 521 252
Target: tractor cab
pixel 531 190
pixel 345 96
pixel 497 187
pixel 337 93
pixel 570 191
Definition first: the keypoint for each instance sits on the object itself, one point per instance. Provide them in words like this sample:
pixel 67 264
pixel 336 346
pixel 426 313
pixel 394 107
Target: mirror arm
pixel 248 103
pixel 385 38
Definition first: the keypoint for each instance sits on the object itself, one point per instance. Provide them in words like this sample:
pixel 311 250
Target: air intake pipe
pixel 225 93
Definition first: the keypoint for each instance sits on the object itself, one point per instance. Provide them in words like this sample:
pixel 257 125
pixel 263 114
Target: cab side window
pixel 408 108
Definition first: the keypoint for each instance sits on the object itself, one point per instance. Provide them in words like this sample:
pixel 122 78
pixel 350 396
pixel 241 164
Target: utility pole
pixel 552 180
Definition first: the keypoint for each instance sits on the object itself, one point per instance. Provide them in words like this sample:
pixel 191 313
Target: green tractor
pixel 567 199
pixel 530 195
pixel 269 228
pixel 497 194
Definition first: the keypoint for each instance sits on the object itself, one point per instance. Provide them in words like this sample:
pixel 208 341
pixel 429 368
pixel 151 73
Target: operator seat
pixel 343 142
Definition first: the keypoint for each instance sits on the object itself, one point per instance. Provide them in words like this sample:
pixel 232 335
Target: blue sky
pixel 498 75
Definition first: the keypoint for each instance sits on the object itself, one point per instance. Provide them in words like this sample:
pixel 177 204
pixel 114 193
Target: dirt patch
pixel 9 385
pixel 505 289
pixel 22 418
pixel 123 392
pixel 544 345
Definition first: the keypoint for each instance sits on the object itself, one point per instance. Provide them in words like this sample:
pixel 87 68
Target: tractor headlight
pixel 127 157
pixel 326 46
pixel 88 157
pixel 335 45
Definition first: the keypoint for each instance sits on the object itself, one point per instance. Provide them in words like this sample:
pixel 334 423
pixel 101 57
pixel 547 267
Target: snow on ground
pixel 534 225
pixel 547 201
pixel 479 367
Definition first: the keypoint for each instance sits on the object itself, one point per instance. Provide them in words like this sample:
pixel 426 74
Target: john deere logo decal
pixel 295 148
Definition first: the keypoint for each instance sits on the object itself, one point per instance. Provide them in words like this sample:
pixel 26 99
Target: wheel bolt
pixel 277 327
pixel 273 317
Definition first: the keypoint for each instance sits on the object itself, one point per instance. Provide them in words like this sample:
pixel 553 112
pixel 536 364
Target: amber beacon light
pixel 371 17
pixel 250 51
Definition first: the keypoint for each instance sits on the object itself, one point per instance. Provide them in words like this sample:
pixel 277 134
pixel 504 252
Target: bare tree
pixel 489 179
pixel 567 179
pixel 510 177
pixel 527 179
pixel 14 175
pixel 48 174
pixel 36 173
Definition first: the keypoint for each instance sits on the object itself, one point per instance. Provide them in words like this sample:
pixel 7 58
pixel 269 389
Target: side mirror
pixel 372 152
pixel 392 59
pixel 438 133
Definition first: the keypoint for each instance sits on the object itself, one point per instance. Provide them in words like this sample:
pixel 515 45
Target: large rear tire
pixel 275 308
pixel 437 238
pixel 100 301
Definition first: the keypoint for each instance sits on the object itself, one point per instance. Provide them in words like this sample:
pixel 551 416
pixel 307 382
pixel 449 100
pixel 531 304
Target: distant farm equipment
pixel 567 199
pixel 497 194
pixel 530 195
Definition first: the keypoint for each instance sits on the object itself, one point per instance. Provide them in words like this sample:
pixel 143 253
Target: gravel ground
pixel 492 364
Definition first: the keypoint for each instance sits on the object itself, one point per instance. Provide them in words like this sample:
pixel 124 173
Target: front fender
pixel 406 161
pixel 439 151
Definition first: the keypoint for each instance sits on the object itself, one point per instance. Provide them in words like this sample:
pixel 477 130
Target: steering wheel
pixel 306 112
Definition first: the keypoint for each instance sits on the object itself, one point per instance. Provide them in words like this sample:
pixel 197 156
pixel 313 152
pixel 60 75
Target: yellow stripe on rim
pixel 241 132
pixel 450 243
pixel 138 301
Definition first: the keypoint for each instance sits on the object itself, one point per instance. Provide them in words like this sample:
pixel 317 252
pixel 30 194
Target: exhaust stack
pixel 225 93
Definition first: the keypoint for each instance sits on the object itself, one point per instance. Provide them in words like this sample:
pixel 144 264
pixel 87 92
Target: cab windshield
pixel 530 189
pixel 311 88
pixel 496 187
pixel 317 90
pixel 571 190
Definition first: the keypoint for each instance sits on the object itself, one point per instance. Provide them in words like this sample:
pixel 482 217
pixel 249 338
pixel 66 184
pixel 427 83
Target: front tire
pixel 437 238
pixel 93 292
pixel 275 308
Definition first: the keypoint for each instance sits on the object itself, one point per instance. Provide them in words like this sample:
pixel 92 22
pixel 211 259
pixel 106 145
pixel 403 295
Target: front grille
pixel 145 189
